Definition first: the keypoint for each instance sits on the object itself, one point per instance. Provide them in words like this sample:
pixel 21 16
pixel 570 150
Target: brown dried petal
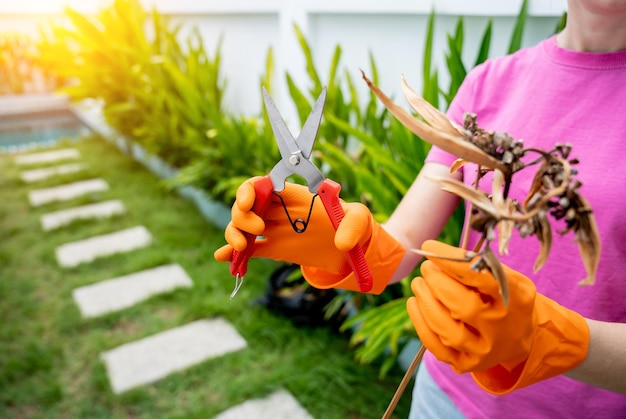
pixel 589 245
pixel 505 208
pixel 457 164
pixel 495 267
pixel 537 184
pixel 543 231
pixel 505 231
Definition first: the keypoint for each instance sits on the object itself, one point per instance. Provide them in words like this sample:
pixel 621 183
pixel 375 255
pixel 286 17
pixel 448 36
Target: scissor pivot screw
pixel 294 160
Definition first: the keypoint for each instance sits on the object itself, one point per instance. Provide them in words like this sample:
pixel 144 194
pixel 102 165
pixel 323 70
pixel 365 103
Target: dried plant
pixel 554 191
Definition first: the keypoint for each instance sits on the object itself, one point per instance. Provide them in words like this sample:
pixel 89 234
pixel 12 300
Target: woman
pixel 569 88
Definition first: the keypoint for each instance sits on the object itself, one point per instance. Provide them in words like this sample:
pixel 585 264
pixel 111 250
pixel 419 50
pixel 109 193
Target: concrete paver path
pixel 75 253
pixel 125 291
pixel 35 175
pixel 279 405
pixel 47 156
pixel 66 192
pixel 60 218
pixel 150 359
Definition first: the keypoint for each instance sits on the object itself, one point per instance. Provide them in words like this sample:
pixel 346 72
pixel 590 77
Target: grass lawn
pixel 50 365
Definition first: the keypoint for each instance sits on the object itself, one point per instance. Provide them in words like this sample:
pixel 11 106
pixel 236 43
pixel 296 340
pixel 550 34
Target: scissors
pixel 296 160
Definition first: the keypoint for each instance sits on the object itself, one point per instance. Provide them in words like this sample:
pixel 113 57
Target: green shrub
pixel 20 68
pixel 157 91
pixel 240 147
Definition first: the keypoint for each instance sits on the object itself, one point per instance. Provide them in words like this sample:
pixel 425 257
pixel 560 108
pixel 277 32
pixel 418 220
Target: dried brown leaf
pixel 476 196
pixel 432 115
pixel 452 143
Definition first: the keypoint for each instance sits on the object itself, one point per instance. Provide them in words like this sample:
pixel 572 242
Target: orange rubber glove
pixel 320 250
pixel 460 317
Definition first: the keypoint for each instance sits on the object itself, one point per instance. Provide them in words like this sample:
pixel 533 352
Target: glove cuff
pixel 383 258
pixel 560 343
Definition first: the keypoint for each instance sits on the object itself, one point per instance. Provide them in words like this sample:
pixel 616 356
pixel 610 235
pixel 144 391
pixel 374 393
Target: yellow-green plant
pixel 156 91
pixel 20 68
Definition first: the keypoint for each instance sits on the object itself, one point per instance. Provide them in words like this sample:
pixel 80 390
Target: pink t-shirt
pixel 547 95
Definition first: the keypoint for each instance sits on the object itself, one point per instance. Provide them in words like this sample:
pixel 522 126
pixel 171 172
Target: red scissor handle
pixel 239 261
pixel 329 194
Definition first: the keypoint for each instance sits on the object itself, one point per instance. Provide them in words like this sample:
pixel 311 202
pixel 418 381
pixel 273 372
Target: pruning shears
pixel 296 160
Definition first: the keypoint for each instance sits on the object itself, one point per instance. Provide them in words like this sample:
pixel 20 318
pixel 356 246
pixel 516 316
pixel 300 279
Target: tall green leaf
pixel 485 44
pixel 518 30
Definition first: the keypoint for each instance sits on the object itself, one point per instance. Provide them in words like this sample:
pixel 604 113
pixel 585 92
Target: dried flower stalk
pixel 554 191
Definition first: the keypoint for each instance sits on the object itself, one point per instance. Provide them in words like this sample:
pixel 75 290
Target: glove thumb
pixel 449 259
pixel 355 227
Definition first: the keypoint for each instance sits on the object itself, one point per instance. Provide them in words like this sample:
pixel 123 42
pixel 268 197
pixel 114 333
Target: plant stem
pixel 405 380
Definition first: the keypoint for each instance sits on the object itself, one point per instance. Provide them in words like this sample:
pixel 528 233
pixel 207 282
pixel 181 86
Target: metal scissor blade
pixel 294 160
pixel 286 144
pixel 307 136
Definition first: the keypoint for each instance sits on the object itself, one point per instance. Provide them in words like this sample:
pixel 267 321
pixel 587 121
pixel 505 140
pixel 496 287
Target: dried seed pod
pixel 552 191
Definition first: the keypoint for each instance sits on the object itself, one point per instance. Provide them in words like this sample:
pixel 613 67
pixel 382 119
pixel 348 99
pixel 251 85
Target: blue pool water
pixel 26 131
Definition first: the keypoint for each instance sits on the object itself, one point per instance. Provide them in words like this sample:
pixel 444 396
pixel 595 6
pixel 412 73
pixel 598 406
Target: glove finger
pixel 235 237
pixel 461 271
pixel 354 227
pixel 224 253
pixel 246 195
pixel 429 338
pixel 432 341
pixel 465 303
pixel 247 221
pixel 466 342
pixel 453 333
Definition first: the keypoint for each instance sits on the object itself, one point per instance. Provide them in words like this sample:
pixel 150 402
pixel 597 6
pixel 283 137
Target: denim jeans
pixel 429 402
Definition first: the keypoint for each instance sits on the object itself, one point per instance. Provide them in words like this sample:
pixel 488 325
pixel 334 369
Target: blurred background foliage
pixel 21 68
pixel 164 91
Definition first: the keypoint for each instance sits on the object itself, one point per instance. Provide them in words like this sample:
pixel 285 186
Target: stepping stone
pixel 66 192
pixel 35 175
pixel 125 291
pixel 60 218
pixel 48 156
pixel 75 253
pixel 279 405
pixel 150 359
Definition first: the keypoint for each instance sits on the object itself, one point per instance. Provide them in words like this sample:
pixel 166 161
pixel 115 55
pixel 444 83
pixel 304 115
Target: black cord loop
pixel 299 225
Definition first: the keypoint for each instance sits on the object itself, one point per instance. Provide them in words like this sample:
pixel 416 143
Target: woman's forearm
pixel 605 365
pixel 421 214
